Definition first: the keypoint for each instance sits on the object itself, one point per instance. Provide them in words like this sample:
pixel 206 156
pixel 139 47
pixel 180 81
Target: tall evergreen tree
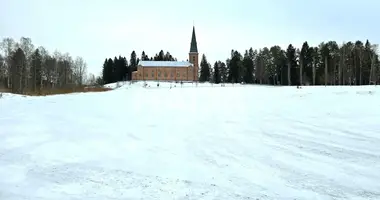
pixel 223 71
pixel 132 65
pixel 105 74
pixel 367 55
pixel 278 60
pixel 115 70
pixel 17 68
pixel 334 55
pixel 316 60
pixel 124 66
pixel 108 75
pixel 248 67
pixel 36 70
pixel 144 56
pixel 304 60
pixel 325 54
pixel 217 75
pixel 205 74
pixel 268 71
pixel 235 66
pixel 291 64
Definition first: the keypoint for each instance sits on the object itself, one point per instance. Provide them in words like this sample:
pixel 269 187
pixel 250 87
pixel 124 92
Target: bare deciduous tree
pixel 80 70
pixel 7 45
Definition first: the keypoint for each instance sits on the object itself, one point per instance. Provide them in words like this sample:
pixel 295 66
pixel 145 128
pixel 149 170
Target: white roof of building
pixel 165 64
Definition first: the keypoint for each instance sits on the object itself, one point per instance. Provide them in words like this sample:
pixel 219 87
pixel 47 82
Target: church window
pixel 166 75
pixel 193 59
pixel 146 75
pixel 178 74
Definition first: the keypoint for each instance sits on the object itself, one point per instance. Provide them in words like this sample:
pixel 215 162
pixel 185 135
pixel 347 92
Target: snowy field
pixel 205 142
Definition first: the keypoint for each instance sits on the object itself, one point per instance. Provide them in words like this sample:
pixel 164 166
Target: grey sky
pixel 96 29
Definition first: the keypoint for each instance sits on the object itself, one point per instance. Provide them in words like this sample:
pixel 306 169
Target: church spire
pixel 193 46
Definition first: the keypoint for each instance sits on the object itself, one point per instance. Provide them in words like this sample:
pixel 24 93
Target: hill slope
pixel 246 142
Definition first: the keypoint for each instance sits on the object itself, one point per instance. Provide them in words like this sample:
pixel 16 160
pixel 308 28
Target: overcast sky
pixel 96 29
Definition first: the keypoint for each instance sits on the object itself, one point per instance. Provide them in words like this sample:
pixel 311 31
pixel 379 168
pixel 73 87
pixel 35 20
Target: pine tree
pixel 105 72
pixel 316 60
pixel 132 65
pixel 108 75
pixel 115 70
pixel 17 68
pixel 161 56
pixel 333 62
pixel 291 65
pixel 260 67
pixel 248 68
pixel 304 60
pixel 205 70
pixel 217 74
pixel 144 56
pixel 124 66
pixel 278 62
pixel 325 54
pixel 367 61
pixel 235 66
pixel 36 70
pixel 223 71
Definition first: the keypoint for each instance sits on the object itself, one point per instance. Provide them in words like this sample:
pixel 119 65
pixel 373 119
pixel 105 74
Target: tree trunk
pixel 301 68
pixel 34 79
pixel 372 71
pixel 360 69
pixel 340 68
pixel 314 73
pixel 326 73
pixel 289 77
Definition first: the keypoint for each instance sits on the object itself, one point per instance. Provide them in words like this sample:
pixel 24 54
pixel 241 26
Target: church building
pixel 170 70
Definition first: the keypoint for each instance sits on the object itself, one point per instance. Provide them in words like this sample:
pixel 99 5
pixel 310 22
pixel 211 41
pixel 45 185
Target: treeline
pixel 351 63
pixel 119 69
pixel 24 68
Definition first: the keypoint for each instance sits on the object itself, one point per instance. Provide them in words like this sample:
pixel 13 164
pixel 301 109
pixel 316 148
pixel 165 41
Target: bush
pixel 55 91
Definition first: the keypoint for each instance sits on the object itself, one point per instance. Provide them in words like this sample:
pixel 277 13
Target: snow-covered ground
pixel 205 142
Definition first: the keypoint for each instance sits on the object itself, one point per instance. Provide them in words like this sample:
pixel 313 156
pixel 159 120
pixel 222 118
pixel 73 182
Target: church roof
pixel 193 46
pixel 165 64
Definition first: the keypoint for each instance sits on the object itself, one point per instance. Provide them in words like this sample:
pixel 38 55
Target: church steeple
pixel 193 56
pixel 193 46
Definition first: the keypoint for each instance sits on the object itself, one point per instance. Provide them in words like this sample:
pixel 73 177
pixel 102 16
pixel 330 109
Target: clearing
pixel 205 142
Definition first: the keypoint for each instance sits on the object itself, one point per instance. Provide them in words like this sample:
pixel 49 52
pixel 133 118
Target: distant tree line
pixel 351 63
pixel 25 68
pixel 118 68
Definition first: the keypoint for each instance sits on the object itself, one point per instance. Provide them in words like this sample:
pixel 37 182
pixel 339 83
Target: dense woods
pixel 351 63
pixel 26 69
pixel 329 63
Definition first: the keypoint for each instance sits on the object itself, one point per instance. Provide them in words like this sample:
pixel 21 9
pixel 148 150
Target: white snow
pixel 165 64
pixel 194 142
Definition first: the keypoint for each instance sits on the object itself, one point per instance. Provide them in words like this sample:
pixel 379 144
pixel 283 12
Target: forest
pixel 27 69
pixel 351 63
pixel 329 63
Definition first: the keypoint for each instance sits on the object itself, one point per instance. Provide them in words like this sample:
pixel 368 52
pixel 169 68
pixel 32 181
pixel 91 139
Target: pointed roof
pixel 193 46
